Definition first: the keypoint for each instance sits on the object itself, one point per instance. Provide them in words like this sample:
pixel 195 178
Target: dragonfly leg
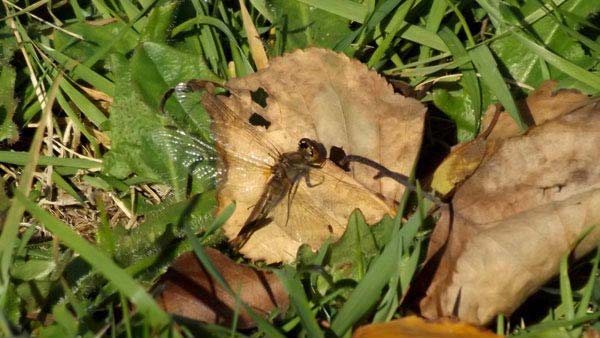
pixel 309 183
pixel 291 194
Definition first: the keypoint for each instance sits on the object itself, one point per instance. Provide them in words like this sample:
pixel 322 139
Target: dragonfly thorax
pixel 296 164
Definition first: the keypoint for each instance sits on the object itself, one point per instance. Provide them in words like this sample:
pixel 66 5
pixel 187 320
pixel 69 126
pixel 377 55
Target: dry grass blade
pixel 256 47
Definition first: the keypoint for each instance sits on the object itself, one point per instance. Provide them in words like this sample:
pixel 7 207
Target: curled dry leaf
pixel 528 203
pixel 415 327
pixel 542 105
pixel 325 96
pixel 188 290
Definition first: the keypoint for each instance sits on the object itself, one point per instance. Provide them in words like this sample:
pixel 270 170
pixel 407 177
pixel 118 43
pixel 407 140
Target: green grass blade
pixel 261 7
pixel 389 303
pixel 345 8
pixel 85 105
pixel 469 79
pixel 300 302
pixel 204 20
pixel 126 315
pixel 242 64
pixel 81 71
pixel 357 12
pixel 22 158
pixel 463 22
pixel 24 10
pixel 131 11
pixel 211 45
pixel 500 325
pixel 218 222
pixel 562 64
pixel 15 212
pixel 103 50
pixel 79 13
pixel 534 330
pixel 61 183
pixel 424 37
pixel 493 11
pixel 557 17
pixel 396 24
pixel 367 292
pixel 586 293
pixel 105 239
pixel 588 289
pixel 99 261
pixel 434 20
pixel 424 71
pixel 70 112
pixel 487 67
pixel 566 293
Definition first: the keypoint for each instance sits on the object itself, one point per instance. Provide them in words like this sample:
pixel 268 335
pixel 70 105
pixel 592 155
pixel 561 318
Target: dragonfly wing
pixel 224 119
pixel 316 214
pixel 331 176
pixel 229 129
pixel 199 159
pixel 205 162
pixel 321 210
pixel 347 194
pixel 307 222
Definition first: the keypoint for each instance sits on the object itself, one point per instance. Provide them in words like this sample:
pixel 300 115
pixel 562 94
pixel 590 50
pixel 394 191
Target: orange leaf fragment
pixel 415 327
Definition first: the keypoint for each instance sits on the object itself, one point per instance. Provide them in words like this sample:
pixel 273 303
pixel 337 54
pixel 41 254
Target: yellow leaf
pixel 415 327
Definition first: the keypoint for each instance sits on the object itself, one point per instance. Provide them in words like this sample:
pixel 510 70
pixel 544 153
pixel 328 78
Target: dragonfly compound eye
pixel 315 150
pixel 303 144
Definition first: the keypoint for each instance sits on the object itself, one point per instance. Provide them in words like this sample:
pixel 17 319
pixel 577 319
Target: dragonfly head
pixel 312 150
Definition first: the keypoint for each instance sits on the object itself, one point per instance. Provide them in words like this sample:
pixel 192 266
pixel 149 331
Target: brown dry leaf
pixel 188 290
pixel 465 158
pixel 415 327
pixel 324 96
pixel 591 333
pixel 525 207
pixel 542 105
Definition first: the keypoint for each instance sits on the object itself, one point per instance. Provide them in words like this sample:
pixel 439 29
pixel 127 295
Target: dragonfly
pixel 299 190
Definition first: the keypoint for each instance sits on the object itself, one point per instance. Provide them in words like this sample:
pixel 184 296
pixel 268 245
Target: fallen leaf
pixel 591 333
pixel 326 96
pixel 321 95
pixel 415 327
pixel 542 105
pixel 525 206
pixel 188 290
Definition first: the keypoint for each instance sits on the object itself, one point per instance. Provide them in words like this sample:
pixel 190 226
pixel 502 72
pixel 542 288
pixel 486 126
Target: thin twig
pixel 76 154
